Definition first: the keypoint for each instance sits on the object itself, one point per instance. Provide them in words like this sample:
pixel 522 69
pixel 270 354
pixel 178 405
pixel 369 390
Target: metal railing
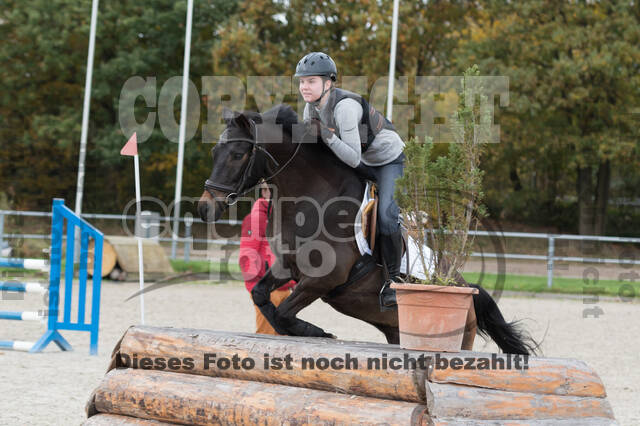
pixel 550 257
pixel 188 239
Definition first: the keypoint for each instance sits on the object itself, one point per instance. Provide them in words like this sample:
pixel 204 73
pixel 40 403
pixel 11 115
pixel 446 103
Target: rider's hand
pixel 325 132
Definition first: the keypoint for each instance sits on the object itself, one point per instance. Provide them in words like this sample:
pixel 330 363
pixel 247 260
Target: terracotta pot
pixel 435 318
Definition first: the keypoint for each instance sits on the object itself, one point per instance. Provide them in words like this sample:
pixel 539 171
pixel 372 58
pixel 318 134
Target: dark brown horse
pixel 316 199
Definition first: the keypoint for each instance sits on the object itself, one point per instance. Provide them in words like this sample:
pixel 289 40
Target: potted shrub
pixel 440 195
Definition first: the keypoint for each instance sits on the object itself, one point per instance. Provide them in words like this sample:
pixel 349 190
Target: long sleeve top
pixel 345 143
pixel 255 253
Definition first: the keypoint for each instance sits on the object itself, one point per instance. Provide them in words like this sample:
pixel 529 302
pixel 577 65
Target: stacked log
pixel 120 259
pixel 186 376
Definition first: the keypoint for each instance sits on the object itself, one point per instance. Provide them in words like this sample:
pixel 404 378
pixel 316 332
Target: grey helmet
pixel 317 63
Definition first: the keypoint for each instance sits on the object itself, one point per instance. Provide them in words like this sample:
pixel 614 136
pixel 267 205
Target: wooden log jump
pixel 189 376
pixel 190 399
pixel 114 419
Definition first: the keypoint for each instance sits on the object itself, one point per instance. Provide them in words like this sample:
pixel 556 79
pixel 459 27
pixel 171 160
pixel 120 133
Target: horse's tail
pixel 509 336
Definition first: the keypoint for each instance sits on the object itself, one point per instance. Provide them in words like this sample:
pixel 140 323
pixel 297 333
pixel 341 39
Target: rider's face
pixel 311 87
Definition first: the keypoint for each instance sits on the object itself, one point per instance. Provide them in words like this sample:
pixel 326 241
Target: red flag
pixel 131 148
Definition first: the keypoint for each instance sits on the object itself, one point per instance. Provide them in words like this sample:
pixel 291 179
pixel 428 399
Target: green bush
pixel 441 197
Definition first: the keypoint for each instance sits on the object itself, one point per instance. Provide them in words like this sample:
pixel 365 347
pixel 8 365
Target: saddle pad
pixel 361 239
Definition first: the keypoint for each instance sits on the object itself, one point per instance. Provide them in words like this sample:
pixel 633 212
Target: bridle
pixel 237 191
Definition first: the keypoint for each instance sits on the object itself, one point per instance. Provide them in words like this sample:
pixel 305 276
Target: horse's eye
pixel 237 156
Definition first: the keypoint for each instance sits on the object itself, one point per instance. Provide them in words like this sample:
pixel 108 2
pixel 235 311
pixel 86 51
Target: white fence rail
pixel 550 257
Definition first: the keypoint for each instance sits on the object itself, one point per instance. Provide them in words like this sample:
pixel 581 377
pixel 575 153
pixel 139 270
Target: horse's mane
pixel 286 116
pixel 280 114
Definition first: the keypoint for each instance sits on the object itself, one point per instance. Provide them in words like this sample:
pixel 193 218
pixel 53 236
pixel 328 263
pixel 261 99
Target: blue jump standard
pixel 61 216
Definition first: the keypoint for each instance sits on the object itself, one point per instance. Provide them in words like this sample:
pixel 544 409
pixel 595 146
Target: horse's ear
pixel 228 115
pixel 244 122
pixel 239 119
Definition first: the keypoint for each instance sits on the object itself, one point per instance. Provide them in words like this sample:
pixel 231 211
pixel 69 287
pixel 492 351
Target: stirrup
pixel 387 297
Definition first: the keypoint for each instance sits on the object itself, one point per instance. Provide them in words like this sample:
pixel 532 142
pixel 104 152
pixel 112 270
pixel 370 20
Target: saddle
pixel 367 262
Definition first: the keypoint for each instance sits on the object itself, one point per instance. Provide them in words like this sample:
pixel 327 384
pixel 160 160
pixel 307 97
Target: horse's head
pixel 239 162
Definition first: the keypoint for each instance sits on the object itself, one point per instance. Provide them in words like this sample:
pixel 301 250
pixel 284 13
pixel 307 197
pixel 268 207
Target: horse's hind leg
pixel 391 333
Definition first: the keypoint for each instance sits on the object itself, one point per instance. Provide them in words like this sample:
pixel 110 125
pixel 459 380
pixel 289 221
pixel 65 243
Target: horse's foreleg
pixel 261 295
pixel 285 314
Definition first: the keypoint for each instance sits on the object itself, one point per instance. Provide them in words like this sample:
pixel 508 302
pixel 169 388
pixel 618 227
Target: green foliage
pixel 573 86
pixel 268 37
pixel 441 197
pixel 573 75
pixel 624 221
pixel 527 207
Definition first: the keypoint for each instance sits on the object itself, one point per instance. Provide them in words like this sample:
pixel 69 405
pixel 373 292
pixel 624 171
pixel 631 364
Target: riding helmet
pixel 317 63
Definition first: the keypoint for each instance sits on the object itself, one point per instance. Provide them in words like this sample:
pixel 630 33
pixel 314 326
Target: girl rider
pixel 365 140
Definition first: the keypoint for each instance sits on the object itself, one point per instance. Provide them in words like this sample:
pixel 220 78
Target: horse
pixel 311 232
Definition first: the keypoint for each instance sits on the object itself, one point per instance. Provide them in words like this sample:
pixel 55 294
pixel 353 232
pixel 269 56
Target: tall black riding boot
pixel 391 249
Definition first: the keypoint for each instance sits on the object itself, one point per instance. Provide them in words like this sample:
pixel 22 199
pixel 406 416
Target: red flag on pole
pixel 131 148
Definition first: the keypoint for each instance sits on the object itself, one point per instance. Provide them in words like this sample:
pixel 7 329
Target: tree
pixel 44 55
pixel 574 81
pixel 268 37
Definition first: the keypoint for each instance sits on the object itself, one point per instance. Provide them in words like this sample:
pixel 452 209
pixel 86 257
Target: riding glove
pixel 325 132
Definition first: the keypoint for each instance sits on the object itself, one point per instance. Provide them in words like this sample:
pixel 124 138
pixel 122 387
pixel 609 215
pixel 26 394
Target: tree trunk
pixel 514 178
pixel 585 201
pixel 602 197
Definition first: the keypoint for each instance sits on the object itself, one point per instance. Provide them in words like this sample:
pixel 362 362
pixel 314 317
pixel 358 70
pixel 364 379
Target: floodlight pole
pixel 85 110
pixel 392 60
pixel 183 125
pixel 85 122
